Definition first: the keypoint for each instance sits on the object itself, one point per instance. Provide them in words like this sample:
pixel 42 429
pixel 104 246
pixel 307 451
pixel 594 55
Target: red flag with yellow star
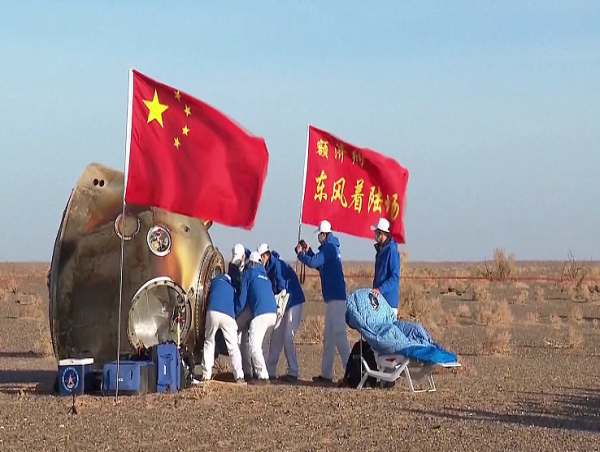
pixel 188 158
pixel 352 187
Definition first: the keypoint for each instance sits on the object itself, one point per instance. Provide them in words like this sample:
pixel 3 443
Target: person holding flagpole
pixel 387 265
pixel 328 262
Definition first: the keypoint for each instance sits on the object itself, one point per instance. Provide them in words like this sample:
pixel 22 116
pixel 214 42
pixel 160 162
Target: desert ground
pixel 530 376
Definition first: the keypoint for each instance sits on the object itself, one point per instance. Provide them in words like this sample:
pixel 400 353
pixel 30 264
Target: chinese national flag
pixel 352 187
pixel 188 158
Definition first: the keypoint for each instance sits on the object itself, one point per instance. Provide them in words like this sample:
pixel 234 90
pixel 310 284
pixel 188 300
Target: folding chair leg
pixel 411 386
pixel 363 379
pixel 431 384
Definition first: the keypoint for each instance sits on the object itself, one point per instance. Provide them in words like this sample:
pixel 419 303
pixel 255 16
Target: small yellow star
pixel 177 95
pixel 188 111
pixel 176 142
pixel 185 130
pixel 155 109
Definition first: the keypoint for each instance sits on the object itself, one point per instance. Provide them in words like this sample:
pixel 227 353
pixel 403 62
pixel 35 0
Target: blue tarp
pixel 373 317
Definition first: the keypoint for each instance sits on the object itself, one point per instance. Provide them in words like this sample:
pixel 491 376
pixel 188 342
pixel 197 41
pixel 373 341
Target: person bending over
pixel 258 295
pixel 283 280
pixel 220 314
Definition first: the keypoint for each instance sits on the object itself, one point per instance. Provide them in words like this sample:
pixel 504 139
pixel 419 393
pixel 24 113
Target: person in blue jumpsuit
pixel 283 280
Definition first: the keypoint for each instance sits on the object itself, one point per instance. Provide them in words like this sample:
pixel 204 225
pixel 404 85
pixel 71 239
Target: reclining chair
pixel 391 367
pixel 399 347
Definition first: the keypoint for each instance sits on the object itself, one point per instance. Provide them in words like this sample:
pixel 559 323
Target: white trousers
pixel 259 338
pixel 214 321
pixel 283 338
pixel 335 336
pixel 243 323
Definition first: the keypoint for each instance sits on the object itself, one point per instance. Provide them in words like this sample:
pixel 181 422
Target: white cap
pixel 254 257
pixel 238 251
pixel 382 225
pixel 263 248
pixel 324 226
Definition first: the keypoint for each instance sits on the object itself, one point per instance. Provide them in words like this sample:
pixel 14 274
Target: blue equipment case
pixel 135 377
pixel 168 367
pixel 75 376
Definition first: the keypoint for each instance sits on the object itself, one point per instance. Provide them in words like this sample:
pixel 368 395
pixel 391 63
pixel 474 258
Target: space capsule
pixel 168 261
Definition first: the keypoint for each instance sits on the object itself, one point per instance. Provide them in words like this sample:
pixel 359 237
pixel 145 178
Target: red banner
pixel 352 187
pixel 188 158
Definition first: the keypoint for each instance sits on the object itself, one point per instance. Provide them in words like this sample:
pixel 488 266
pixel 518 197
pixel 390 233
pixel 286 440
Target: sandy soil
pixel 530 381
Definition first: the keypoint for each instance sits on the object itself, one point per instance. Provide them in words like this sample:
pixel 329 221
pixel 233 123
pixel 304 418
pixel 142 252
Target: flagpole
pixel 125 172
pixel 303 269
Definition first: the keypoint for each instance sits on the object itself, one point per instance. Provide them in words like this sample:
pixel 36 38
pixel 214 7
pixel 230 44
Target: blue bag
pixel 167 360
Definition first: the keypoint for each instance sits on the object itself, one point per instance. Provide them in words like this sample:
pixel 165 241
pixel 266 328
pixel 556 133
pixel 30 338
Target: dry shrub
pixel 582 293
pixel 12 286
pixel 532 317
pixel 484 312
pixel 423 309
pixel 403 261
pixel 480 292
pixel 354 283
pixel 575 338
pixel 464 311
pixel 352 334
pixel 556 321
pixel 523 297
pixel 416 307
pixel 569 290
pixel 574 271
pixel 519 285
pixel 222 365
pixel 502 313
pixel 31 308
pixel 496 313
pixel 539 295
pixel 497 341
pixel 502 267
pixel 576 315
pixel 311 330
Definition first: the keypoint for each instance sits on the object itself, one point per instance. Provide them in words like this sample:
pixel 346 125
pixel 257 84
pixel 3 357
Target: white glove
pixel 282 300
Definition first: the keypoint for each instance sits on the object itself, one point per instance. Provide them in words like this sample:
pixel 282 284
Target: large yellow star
pixel 185 130
pixel 155 109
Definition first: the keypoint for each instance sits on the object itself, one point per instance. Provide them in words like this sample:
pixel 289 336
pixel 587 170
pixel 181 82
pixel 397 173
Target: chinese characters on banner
pixel 352 187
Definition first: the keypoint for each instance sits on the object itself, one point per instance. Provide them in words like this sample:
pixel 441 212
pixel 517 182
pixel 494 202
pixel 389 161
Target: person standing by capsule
pixel 328 262
pixel 258 295
pixel 220 316
pixel 237 268
pixel 387 265
pixel 283 280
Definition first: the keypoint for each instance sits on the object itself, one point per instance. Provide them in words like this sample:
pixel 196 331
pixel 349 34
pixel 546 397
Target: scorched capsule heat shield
pixel 168 260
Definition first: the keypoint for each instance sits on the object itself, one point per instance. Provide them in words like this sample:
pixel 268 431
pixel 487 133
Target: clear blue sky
pixel 493 106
